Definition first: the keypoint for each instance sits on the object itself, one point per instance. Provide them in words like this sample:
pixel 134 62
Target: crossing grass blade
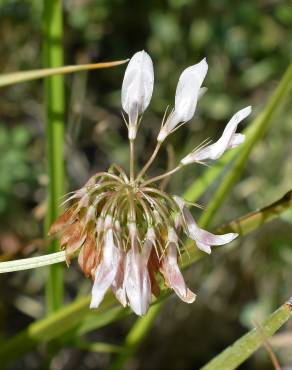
pixel 244 347
pixel 24 76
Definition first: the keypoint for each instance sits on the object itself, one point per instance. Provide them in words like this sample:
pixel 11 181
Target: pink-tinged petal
pixel 106 271
pixel 137 280
pixel 118 286
pixel 173 276
pixel 229 139
pixel 204 239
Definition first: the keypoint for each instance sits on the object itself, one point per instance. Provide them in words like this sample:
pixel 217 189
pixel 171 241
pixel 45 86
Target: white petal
pixel 137 281
pixel 137 87
pixel 118 286
pixel 173 277
pixel 188 92
pixel 236 140
pixel 228 140
pixel 188 88
pixel 204 239
pixel 106 271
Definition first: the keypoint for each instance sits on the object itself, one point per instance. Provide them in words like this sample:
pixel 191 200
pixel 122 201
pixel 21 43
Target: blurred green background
pixel 248 45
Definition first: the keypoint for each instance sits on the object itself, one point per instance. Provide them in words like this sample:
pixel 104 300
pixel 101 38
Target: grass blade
pixel 244 347
pixel 18 77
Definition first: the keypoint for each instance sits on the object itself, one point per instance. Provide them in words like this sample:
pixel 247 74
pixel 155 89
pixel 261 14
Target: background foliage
pixel 248 46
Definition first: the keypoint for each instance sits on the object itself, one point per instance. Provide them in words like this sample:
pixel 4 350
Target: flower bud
pixel 137 88
pixel 188 92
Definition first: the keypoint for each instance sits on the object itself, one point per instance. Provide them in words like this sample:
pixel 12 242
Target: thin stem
pixel 55 105
pixel 151 159
pixel 132 160
pixel 32 262
pixel 159 177
pixel 17 77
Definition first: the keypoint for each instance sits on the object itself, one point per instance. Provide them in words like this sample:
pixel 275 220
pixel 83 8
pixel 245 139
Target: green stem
pixel 148 164
pixel 162 176
pixel 132 160
pixel 32 262
pixel 55 105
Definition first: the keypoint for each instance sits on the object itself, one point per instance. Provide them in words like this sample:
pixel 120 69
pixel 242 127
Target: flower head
pixel 126 230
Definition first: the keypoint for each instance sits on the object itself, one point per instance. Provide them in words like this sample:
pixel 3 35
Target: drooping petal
pixel 118 286
pixel 88 256
pixel 107 269
pixel 229 139
pixel 137 88
pixel 188 92
pixel 173 276
pixel 73 237
pixel 137 280
pixel 204 239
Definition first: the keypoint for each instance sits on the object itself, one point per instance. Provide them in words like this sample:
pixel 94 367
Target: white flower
pixel 137 88
pixel 126 229
pixel 204 239
pixel 188 92
pixel 229 139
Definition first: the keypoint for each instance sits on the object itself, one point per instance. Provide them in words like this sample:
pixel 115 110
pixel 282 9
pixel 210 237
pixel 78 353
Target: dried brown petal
pixel 62 221
pixel 88 256
pixel 153 268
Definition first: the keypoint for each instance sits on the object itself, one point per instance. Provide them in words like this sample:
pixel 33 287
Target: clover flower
pixel 127 230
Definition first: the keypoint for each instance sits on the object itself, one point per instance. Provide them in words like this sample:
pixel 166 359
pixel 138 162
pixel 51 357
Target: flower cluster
pixel 126 229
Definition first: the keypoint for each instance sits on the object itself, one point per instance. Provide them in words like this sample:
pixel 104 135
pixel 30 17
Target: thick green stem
pixel 55 102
